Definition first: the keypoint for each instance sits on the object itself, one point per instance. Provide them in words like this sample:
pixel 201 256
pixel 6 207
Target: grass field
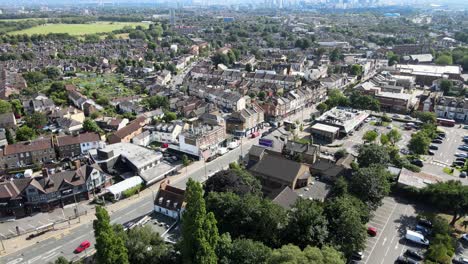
pixel 77 29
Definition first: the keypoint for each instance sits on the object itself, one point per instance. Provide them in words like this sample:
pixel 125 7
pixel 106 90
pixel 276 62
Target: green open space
pixel 78 29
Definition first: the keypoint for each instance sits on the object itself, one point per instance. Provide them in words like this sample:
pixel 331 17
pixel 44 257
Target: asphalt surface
pixel 391 220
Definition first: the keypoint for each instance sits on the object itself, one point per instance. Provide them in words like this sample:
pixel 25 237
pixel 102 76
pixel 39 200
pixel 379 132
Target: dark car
pixel 406 260
pixel 434 147
pixel 430 152
pixel 417 162
pixel 357 255
pixel 461 159
pixel 458 163
pixel 417 255
pixel 437 141
pixel 424 222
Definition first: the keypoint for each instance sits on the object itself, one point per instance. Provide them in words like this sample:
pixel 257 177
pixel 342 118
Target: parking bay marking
pixel 388 219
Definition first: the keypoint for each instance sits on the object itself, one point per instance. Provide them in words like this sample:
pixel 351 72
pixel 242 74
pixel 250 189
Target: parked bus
pixel 445 122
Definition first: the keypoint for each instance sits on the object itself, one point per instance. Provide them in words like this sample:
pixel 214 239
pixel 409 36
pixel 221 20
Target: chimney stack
pixel 45 173
pixel 77 163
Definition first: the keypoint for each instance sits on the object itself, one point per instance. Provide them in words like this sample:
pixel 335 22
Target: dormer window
pixel 160 200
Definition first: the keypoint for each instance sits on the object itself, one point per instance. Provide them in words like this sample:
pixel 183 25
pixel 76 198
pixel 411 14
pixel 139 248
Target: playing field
pixel 77 29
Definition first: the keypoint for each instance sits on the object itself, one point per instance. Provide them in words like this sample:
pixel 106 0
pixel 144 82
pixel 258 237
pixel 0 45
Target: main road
pixel 64 243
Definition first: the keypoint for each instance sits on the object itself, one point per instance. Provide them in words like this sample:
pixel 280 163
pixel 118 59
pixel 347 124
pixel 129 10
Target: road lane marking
pixel 54 249
pixel 384 240
pixel 386 252
pixel 49 256
pixel 34 259
pixel 73 240
pixel 31 226
pixel 15 261
pixel 388 219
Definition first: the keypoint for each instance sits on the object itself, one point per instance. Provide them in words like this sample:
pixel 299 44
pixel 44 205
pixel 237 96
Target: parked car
pixel 358 255
pixel 407 117
pixel 464 237
pixel 430 152
pixel 423 230
pixel 417 162
pixel 461 155
pixel 458 163
pixel 372 231
pixel 417 255
pixel 465 127
pixel 437 141
pixel 406 260
pixel 461 260
pixel 83 246
pixel 465 148
pixel 424 222
pixel 434 147
pixel 416 237
pixel 404 151
pixel 461 159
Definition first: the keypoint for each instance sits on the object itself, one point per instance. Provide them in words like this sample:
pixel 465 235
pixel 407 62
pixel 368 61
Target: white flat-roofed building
pixel 337 122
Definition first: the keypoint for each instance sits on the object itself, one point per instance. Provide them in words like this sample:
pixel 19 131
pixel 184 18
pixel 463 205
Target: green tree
pixel 34 77
pixel 335 55
pixel 356 69
pixel 145 246
pixel 322 107
pixel 110 248
pixel 155 102
pixel 419 143
pixel 52 72
pixel 199 231
pixel 349 234
pixel 371 184
pixel 369 154
pixel 394 136
pixel 248 67
pixel 249 216
pixel 450 197
pixel 311 255
pixel 392 58
pixel 185 160
pixel 427 117
pixel 370 136
pixel 90 125
pixel 243 251
pixel 61 260
pixel 92 38
pixel 446 86
pixel 307 224
pixel 444 60
pixel 36 120
pixel 25 133
pixel 9 137
pixel 17 106
pixel 384 140
pixel 236 180
pixel 169 116
pixel 5 107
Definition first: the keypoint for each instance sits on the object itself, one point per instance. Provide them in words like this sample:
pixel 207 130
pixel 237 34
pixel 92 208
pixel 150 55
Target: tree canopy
pixel 369 154
pixel 371 184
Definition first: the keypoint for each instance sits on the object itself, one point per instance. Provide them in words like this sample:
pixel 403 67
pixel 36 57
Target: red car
pixel 372 231
pixel 84 245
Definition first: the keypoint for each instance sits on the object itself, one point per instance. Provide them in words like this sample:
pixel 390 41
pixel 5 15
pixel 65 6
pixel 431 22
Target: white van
pixel 416 238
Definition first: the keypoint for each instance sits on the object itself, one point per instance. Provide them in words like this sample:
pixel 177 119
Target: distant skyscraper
pixel 172 15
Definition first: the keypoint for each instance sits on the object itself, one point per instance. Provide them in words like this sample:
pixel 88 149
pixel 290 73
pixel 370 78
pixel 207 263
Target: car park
pixel 83 246
pixel 417 255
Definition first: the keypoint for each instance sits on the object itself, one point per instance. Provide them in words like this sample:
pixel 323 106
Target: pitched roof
pixel 277 167
pixel 130 128
pixel 40 144
pixel 77 139
pixel 11 189
pixel 285 197
pixel 170 197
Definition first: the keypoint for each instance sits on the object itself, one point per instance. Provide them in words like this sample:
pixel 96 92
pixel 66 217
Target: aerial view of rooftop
pixel 234 132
